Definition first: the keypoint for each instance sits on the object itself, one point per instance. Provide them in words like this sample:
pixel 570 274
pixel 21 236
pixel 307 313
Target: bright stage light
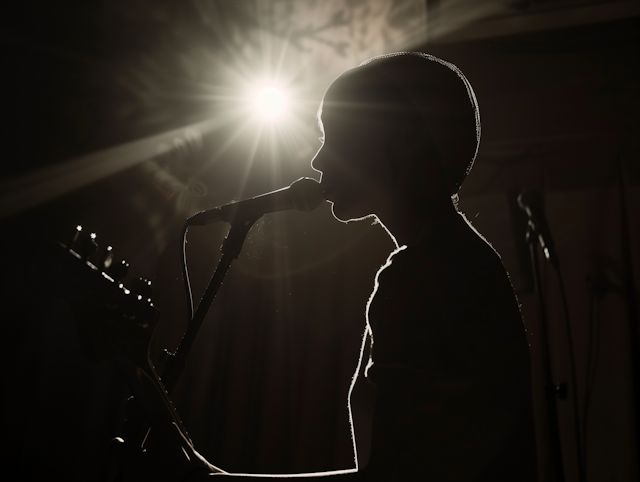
pixel 270 102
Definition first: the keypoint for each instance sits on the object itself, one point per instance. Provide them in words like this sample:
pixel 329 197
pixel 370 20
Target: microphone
pixel 531 202
pixel 305 194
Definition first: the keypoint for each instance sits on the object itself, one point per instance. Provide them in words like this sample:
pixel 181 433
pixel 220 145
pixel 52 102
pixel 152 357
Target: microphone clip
pixel 232 244
pixel 534 235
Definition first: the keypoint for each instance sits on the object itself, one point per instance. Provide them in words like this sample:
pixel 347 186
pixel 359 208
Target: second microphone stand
pixel 231 248
pixel 552 391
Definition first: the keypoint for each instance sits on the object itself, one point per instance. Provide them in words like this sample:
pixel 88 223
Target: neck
pixel 405 221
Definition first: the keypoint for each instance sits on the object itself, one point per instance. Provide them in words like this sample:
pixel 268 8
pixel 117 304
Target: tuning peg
pixel 142 287
pixel 106 259
pixel 89 247
pixel 166 355
pixel 74 237
pixel 118 271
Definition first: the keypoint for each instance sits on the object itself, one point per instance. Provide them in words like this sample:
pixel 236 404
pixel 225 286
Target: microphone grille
pixel 306 194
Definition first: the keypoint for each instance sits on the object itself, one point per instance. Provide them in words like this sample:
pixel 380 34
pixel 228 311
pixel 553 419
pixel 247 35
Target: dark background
pixel 123 117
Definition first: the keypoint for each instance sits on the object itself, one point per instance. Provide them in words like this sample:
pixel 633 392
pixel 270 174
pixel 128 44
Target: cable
pixel 185 272
pixel 573 374
pixel 592 361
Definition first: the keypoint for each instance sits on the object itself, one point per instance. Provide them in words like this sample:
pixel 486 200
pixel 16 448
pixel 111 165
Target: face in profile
pixel 354 163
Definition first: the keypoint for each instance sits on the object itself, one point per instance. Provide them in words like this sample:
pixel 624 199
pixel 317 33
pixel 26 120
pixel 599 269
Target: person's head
pixel 400 128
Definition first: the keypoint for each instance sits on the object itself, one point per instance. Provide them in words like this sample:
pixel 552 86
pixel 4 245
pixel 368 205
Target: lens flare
pixel 270 102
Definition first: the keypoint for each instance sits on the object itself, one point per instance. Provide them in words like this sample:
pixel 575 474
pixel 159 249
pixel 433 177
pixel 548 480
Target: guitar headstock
pixel 113 320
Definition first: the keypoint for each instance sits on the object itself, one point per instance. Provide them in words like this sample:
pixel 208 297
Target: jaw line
pixel 355 219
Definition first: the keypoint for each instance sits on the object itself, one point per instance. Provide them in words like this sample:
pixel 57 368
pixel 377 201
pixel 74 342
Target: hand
pixel 167 454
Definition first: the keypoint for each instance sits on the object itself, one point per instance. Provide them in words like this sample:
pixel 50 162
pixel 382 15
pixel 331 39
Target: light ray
pixel 41 185
pixel 247 168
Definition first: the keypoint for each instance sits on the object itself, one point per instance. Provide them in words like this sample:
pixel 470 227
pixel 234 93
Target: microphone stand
pixel 231 248
pixel 552 391
pixel 175 362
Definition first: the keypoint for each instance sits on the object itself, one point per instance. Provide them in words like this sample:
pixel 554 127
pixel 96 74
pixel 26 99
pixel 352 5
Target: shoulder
pixel 449 252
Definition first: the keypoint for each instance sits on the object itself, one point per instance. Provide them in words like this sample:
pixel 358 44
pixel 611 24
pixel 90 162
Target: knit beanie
pixel 443 98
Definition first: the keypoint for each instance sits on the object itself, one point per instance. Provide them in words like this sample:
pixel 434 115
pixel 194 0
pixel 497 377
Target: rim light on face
pixel 270 102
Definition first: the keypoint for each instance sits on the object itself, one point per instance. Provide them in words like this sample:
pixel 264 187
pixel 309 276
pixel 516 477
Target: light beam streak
pixel 35 187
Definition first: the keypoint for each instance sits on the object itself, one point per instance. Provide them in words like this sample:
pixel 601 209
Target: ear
pixel 418 164
pixel 402 147
pixel 410 140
